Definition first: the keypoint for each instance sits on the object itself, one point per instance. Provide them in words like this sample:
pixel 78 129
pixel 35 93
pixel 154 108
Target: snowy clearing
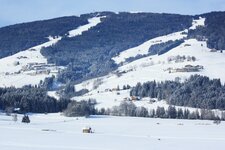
pixel 198 22
pixel 52 131
pixel 53 94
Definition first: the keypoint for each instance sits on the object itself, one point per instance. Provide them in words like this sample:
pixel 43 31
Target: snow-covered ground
pixel 52 132
pixel 53 94
pixel 197 22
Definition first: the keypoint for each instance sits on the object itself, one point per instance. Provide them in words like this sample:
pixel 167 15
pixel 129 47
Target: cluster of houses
pixel 111 90
pixel 178 58
pixel 137 98
pixel 215 50
pixel 132 98
pixel 186 68
pixel 36 69
pixel 22 57
pixel 41 68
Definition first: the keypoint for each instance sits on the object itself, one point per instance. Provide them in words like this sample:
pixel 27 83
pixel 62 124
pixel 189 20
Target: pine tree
pixel 172 113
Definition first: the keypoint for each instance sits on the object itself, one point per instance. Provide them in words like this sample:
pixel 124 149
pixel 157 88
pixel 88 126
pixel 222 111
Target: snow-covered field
pixel 52 132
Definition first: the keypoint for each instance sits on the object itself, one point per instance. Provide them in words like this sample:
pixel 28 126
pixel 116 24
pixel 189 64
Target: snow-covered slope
pixel 29 67
pixel 197 22
pixel 157 68
pixel 143 48
pixel 55 132
pixel 109 99
pixel 168 66
pixel 13 72
pixel 153 67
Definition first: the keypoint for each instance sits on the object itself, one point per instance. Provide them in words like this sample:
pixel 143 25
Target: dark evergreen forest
pixel 19 37
pixel 198 91
pixel 213 31
pixel 30 99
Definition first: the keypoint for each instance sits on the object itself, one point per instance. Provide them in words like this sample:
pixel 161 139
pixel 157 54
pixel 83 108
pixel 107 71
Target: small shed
pixel 134 98
pixel 87 130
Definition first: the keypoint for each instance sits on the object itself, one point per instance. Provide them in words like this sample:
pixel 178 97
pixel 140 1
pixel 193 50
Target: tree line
pixel 30 99
pixel 164 47
pixel 82 108
pixel 197 91
pixel 127 108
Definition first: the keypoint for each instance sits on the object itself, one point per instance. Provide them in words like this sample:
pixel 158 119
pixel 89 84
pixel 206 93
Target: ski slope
pixel 53 132
pixel 92 22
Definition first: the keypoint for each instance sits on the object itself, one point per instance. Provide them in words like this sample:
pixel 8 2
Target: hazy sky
pixel 17 11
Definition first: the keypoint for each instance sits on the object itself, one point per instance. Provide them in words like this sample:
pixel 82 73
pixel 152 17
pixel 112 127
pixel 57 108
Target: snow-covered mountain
pixel 103 55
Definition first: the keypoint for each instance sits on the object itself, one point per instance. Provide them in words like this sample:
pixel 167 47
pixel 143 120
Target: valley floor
pixel 53 131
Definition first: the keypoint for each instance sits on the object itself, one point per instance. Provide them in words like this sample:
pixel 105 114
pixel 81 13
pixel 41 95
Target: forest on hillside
pixel 198 92
pixel 213 31
pixel 89 55
pixel 19 37
pixel 30 99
